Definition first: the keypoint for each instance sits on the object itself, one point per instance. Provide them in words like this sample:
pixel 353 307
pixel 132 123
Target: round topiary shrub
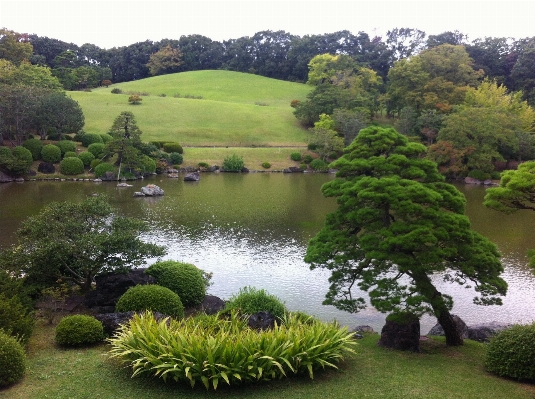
pixel 102 168
pixel 79 330
pixel 175 158
pixel 90 138
pixel 184 279
pixel 295 156
pixel 51 153
pixel 173 147
pixel 34 146
pixel 15 318
pixel 307 158
pixel 266 165
pixel 106 138
pixel 86 158
pixel 511 353
pixel 155 298
pixel 251 300
pixel 97 149
pixel 147 165
pixel 71 166
pixel 12 360
pixel 319 165
pixel 22 160
pixel 70 154
pixel 66 146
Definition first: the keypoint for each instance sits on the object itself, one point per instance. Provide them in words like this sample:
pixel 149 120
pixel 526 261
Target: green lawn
pixel 438 372
pixel 228 114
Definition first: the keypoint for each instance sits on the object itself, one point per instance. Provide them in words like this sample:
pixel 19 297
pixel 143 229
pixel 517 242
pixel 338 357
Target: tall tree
pixel 164 61
pixel 405 42
pixel 126 136
pixel 398 224
pixel 14 47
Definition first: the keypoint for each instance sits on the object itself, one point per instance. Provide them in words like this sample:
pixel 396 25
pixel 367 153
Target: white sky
pixel 120 23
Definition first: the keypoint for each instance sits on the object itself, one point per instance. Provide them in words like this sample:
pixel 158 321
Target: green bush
pixel 90 138
pixel 116 90
pixel 319 165
pixel 312 146
pixel 479 175
pixel 15 318
pixel 70 154
pixel 66 146
pixel 97 149
pixel 79 330
pixel 151 297
pixel 184 279
pixel 147 164
pixel 21 160
pixel 86 158
pixel 511 353
pixel 211 350
pixel 203 165
pixel 266 165
pixel 303 166
pixel 307 158
pixel 173 147
pixel 175 158
pixel 251 300
pixel 52 134
pixel 102 168
pixel 94 163
pixel 71 166
pixel 79 136
pixel 51 153
pixel 12 360
pixel 106 138
pixel 495 175
pixel 34 146
pixel 233 163
pixel 5 155
pixel 295 156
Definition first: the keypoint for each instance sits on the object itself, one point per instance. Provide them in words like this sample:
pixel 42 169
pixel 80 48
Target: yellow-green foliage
pixel 79 330
pixel 225 116
pixel 12 360
pixel 151 297
pixel 213 350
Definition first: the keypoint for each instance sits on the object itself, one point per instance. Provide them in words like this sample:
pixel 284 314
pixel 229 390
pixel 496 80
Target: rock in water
pixel 193 176
pixel 152 190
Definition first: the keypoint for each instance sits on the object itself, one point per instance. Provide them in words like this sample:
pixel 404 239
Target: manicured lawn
pixel 438 372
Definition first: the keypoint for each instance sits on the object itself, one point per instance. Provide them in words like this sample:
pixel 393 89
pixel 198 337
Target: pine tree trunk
pixel 451 330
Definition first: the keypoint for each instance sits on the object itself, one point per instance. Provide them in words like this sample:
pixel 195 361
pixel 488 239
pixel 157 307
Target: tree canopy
pixel 397 225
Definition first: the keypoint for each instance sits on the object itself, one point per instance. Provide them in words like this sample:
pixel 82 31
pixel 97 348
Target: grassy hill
pixel 228 109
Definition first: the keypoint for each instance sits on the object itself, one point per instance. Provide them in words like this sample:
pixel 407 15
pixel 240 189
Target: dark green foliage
pixel 21 161
pixel 52 134
pixel 319 165
pixel 312 146
pixel 307 158
pixel 296 156
pixel 15 318
pixel 151 297
pixel 71 166
pixel 34 146
pixel 175 158
pixel 266 165
pixel 106 138
pixel 51 153
pixel 86 158
pixel 116 90
pixel 203 165
pixel 94 163
pixel 184 279
pixel 70 154
pixel 146 164
pixel 402 317
pixel 79 136
pixel 511 353
pixel 12 360
pixel 479 175
pixel 79 330
pixel 233 163
pixel 90 138
pixel 102 168
pixel 173 147
pixel 250 300
pixel 97 149
pixel 65 146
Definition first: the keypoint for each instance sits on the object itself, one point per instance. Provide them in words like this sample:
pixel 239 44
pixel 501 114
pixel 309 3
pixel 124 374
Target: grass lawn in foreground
pixel 438 372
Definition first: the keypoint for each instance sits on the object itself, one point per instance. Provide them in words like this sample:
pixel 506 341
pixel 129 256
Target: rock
pixel 109 287
pixel 363 329
pixel 152 190
pixel 286 170
pixel 46 167
pixel 112 321
pixel 193 176
pixel 108 176
pixel 261 321
pixel 401 335
pixel 19 179
pixel 485 331
pixel 438 330
pixel 96 180
pixel 124 185
pixel 214 168
pixel 5 178
pixel 244 170
pixel 212 304
pixel 138 194
pixel 295 169
pixel 471 180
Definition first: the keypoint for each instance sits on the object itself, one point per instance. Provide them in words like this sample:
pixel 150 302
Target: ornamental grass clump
pixel 213 350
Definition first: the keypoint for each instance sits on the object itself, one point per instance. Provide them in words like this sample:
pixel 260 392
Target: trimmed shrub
pixel 307 158
pixel 78 330
pixel 51 153
pixel 233 163
pixel 78 136
pixel 94 163
pixel 303 166
pixel 90 138
pixel 251 300
pixel 511 353
pixel 319 165
pixel 34 146
pixel 184 279
pixel 15 318
pixel 12 360
pixel 173 147
pixel 175 158
pixel 151 297
pixel 116 90
pixel 102 168
pixel 295 156
pixel 106 138
pixel 70 154
pixel 5 155
pixel 86 158
pixel 71 166
pixel 65 146
pixel 97 149
pixel 22 160
pixel 266 165
pixel 203 165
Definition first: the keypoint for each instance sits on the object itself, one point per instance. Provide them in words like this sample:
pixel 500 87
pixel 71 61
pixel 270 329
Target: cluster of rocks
pixel 150 190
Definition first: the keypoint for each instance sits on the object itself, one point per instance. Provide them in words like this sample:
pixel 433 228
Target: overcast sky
pixel 120 23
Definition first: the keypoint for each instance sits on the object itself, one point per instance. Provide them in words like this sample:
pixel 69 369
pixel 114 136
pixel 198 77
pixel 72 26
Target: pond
pixel 253 229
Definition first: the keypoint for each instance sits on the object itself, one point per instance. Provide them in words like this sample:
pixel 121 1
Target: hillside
pixel 229 109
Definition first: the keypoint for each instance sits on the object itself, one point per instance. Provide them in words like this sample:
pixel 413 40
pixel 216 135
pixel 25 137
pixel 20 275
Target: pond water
pixel 253 229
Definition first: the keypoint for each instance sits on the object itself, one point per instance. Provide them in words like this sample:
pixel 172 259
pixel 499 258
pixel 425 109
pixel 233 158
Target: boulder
pixel 152 190
pixel 471 180
pixel 112 321
pixel 108 176
pixel 212 304
pixel 109 287
pixel 438 330
pixel 193 176
pixel 46 167
pixel 485 331
pixel 5 178
pixel 401 334
pixel 261 321
pixel 214 168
